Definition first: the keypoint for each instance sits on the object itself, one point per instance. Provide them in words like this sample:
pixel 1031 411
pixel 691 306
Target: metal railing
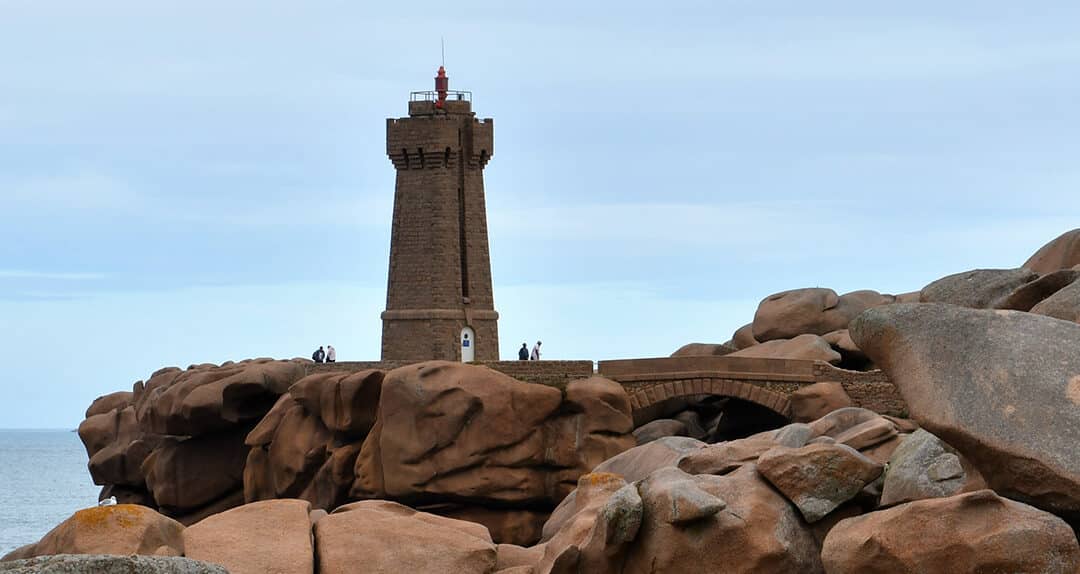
pixel 432 96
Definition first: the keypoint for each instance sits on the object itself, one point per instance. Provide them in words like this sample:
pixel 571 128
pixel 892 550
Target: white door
pixel 468 345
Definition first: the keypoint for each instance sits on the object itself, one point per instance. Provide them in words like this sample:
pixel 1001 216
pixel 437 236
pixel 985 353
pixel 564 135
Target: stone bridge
pixel 765 382
pixel 650 382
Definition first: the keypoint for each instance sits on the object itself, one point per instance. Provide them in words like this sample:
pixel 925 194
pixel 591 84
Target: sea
pixel 43 480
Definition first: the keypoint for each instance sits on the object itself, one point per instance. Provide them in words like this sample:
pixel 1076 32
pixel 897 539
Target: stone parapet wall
pixel 551 373
pixel 750 367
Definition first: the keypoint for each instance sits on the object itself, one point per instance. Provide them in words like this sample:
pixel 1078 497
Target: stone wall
pixel 869 390
pixel 551 373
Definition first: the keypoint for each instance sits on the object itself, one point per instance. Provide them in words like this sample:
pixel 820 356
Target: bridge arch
pixel 644 398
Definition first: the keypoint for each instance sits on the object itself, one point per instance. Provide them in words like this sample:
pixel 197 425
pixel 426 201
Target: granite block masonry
pixel 439 286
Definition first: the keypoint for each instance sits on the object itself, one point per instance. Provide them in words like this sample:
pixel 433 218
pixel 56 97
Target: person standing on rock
pixel 331 354
pixel 536 352
pixel 318 355
pixel 523 352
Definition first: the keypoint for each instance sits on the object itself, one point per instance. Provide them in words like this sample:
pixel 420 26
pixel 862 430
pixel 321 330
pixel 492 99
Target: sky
pixel 189 182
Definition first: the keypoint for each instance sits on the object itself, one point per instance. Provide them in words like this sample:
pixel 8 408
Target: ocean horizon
pixel 43 481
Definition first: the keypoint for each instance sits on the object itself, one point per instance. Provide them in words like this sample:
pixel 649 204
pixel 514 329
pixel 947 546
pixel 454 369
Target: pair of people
pixel 524 355
pixel 327 356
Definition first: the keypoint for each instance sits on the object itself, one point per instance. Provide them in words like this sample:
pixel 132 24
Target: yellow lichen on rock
pixel 119 515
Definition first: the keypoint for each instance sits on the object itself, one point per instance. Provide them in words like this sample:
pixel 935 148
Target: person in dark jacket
pixel 523 352
pixel 318 355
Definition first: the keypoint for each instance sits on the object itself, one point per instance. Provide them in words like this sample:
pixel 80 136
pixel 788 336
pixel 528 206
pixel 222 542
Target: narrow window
pixel 461 243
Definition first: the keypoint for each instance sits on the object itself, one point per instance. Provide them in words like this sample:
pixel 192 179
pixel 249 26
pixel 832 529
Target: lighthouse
pixel 439 301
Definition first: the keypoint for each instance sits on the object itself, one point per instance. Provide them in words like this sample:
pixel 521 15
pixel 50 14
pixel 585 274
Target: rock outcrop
pixel 817 400
pixel 1027 296
pixel 808 324
pixel 869 433
pixel 473 443
pixel 383 536
pixel 185 474
pixel 602 518
pixel 923 466
pixel 743 337
pixel 444 466
pixel 464 433
pixel 307 444
pixel 1061 253
pixel 808 347
pixel 121 529
pixel 175 443
pixel 977 289
pixel 1002 387
pixel 658 429
pixel 1064 304
pixel 207 398
pixel 814 311
pixel 807 497
pixel 266 536
pixel 707 349
pixel 677 522
pixel 967 534
pixel 818 478
pixel 734 523
pixel 97 564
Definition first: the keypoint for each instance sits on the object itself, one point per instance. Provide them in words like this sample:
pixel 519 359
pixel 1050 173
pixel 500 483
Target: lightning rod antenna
pixel 442 50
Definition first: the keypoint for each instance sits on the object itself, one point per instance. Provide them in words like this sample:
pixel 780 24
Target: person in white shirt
pixel 331 354
pixel 535 352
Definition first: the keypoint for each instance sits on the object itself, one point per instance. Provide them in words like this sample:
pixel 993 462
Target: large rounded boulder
pixel 106 564
pixel 814 311
pixel 978 288
pixel 806 347
pixel 122 529
pixel 1063 304
pixel 265 536
pixel 734 523
pixel 468 433
pixel 383 536
pixel 1061 253
pixel 973 533
pixel 176 441
pixel 1002 387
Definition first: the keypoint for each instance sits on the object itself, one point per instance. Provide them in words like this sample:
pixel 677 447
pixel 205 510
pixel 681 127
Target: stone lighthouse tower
pixel 439 302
